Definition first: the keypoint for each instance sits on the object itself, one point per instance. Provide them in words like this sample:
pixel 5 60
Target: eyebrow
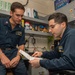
pixel 53 24
pixel 19 15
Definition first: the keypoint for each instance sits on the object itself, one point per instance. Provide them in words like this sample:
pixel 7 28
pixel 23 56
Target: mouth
pixel 18 21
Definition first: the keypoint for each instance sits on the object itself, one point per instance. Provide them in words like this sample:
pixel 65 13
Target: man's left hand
pixel 15 61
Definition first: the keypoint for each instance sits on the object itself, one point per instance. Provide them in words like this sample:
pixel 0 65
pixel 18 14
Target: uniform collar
pixel 7 23
pixel 65 33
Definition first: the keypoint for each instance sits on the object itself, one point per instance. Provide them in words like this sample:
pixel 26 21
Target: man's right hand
pixel 37 54
pixel 5 61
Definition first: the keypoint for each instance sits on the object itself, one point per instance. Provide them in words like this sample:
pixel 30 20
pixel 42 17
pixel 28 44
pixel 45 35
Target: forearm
pixel 1 53
pixel 50 54
pixel 57 64
pixel 22 47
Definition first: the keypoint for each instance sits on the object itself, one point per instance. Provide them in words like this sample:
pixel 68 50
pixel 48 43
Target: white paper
pixel 27 55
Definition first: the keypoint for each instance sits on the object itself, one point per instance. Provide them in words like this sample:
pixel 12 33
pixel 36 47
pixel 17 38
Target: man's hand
pixel 15 61
pixel 37 54
pixel 5 61
pixel 35 63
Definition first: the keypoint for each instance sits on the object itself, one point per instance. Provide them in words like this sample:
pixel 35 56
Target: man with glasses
pixel 63 56
pixel 11 35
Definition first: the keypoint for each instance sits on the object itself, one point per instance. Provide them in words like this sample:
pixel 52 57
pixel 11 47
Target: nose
pixel 20 17
pixel 50 30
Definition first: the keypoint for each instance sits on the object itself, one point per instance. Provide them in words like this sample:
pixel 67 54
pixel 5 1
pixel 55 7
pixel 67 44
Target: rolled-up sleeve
pixel 22 39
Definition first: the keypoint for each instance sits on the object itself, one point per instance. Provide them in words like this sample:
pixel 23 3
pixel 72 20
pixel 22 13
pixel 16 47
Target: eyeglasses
pixel 52 26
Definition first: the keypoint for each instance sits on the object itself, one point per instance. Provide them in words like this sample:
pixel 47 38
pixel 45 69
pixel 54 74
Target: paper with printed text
pixel 27 55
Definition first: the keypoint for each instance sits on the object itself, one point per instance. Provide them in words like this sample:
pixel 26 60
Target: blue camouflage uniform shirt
pixel 9 37
pixel 63 57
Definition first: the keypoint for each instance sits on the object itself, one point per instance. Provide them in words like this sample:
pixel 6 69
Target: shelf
pixel 37 33
pixel 4 12
pixel 35 20
pixel 26 18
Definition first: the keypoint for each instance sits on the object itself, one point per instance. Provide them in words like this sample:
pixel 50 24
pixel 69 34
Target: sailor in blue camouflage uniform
pixel 63 56
pixel 12 35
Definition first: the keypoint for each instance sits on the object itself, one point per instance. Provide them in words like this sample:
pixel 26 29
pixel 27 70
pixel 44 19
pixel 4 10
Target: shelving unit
pixel 4 12
pixel 33 21
pixel 37 33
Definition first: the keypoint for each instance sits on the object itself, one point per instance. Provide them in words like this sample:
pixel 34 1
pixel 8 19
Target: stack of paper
pixel 27 55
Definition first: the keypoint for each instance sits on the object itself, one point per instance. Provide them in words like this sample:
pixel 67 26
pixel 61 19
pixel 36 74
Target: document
pixel 28 56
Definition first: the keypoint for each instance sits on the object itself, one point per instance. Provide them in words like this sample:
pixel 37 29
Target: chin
pixel 18 22
pixel 55 36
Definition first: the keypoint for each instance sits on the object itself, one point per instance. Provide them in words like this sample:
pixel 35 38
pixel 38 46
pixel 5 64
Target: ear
pixel 63 24
pixel 11 13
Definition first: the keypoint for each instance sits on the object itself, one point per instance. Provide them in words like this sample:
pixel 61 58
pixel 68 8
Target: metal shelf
pixel 35 20
pixel 4 12
pixel 26 18
pixel 37 33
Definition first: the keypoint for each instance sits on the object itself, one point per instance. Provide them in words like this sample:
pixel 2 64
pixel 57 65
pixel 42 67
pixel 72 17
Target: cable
pixel 26 3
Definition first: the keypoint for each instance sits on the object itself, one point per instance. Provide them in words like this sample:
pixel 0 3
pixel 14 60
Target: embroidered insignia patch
pixel 60 49
pixel 19 33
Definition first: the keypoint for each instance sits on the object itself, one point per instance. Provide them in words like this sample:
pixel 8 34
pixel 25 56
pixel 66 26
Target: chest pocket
pixel 60 50
pixel 18 33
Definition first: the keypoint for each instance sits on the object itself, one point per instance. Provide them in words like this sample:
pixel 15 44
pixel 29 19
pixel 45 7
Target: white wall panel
pixel 43 7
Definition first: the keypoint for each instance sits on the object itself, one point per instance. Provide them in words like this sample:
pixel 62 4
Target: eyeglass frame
pixel 52 26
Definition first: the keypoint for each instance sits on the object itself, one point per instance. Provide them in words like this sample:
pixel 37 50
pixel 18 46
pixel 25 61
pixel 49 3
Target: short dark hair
pixel 58 17
pixel 16 5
